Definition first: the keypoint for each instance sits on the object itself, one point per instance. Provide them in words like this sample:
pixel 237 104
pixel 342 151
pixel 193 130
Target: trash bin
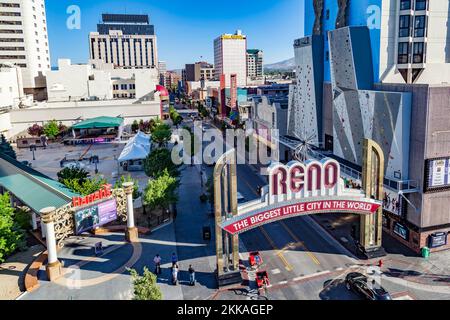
pixel 206 233
pixel 426 252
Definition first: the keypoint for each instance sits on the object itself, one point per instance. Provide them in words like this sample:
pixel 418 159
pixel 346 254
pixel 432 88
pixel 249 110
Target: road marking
pixel 279 253
pixel 276 271
pixel 312 275
pixel 282 282
pixel 339 269
pixel 309 253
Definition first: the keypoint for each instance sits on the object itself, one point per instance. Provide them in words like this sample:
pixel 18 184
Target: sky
pixel 185 29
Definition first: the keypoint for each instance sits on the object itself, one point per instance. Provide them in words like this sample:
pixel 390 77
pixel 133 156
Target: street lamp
pixel 33 149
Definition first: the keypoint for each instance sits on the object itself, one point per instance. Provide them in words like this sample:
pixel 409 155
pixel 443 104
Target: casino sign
pixel 298 189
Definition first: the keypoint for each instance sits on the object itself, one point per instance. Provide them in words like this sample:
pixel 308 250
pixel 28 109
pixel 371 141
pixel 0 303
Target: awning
pixel 34 189
pixel 99 122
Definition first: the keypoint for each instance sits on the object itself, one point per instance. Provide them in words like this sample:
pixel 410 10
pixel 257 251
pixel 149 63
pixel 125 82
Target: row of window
pixel 12 48
pixel 124 95
pixel 2 57
pixel 124 87
pixel 419 5
pixel 419 26
pixel 9 5
pixel 11 31
pixel 10 14
pixel 418 52
pixel 11 39
pixel 11 23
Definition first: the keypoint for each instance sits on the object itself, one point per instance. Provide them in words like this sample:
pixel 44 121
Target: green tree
pixel 158 161
pixel 6 149
pixel 51 129
pixel 73 173
pixel 119 183
pixel 12 237
pixel 162 134
pixel 145 287
pixel 86 187
pixel 135 126
pixel 161 192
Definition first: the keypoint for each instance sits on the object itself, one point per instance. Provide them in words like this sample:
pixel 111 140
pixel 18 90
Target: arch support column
pixel 53 268
pixel 371 226
pixel 131 232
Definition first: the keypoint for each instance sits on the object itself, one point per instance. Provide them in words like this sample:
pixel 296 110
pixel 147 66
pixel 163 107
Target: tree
pixel 36 130
pixel 145 287
pixel 158 161
pixel 162 134
pixel 135 126
pixel 12 237
pixel 73 173
pixel 51 129
pixel 161 192
pixel 119 183
pixel 86 187
pixel 6 149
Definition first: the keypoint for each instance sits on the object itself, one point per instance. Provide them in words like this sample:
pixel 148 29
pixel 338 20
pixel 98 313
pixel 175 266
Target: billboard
pixel 438 173
pixel 89 218
pixel 233 91
pixel 392 202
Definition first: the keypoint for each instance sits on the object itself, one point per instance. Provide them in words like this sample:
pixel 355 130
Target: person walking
pixel 175 274
pixel 157 261
pixel 191 275
pixel 174 259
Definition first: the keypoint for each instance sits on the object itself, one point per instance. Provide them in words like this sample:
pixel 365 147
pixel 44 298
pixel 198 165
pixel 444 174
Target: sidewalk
pixel 401 265
pixel 12 272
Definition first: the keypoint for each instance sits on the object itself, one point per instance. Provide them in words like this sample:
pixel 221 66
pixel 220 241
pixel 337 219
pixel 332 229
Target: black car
pixel 358 283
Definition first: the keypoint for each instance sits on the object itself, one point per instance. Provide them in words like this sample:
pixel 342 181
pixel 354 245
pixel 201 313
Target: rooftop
pixel 34 189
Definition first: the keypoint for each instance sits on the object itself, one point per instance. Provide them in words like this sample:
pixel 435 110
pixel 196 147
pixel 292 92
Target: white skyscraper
pixel 24 41
pixel 230 57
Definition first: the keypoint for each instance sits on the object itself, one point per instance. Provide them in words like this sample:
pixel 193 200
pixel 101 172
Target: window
pixel 9 5
pixel 403 52
pixel 405 4
pixel 421 4
pixel 404 26
pixel 418 52
pixel 419 26
pixel 123 87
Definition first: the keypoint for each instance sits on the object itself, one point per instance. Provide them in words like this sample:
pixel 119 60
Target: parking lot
pixel 48 161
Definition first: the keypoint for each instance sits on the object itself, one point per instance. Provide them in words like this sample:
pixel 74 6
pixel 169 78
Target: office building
pixel 198 71
pixel 380 70
pixel 230 57
pixel 24 42
pixel 125 40
pixel 255 64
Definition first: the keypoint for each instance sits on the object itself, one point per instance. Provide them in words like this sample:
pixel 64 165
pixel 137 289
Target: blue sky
pixel 185 28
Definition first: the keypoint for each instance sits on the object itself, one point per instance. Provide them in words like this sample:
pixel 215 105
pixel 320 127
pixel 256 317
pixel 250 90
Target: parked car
pixel 358 283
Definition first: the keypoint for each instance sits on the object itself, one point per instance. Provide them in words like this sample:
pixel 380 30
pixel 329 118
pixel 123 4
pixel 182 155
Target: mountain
pixel 286 65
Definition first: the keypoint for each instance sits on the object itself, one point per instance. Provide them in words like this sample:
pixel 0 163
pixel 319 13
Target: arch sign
pixel 299 189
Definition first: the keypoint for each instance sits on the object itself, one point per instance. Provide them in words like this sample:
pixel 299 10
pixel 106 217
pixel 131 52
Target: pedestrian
pixel 380 263
pixel 157 261
pixel 191 275
pixel 175 274
pixel 174 259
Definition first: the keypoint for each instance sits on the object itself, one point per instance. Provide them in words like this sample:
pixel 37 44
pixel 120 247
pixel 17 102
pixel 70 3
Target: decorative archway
pixel 296 189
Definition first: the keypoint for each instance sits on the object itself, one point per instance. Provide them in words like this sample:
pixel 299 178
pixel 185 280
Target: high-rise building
pixel 24 42
pixel 380 70
pixel 255 69
pixel 162 69
pixel 199 70
pixel 125 40
pixel 230 57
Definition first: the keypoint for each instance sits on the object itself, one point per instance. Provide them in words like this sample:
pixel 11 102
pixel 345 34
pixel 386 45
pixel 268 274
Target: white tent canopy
pixel 137 148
